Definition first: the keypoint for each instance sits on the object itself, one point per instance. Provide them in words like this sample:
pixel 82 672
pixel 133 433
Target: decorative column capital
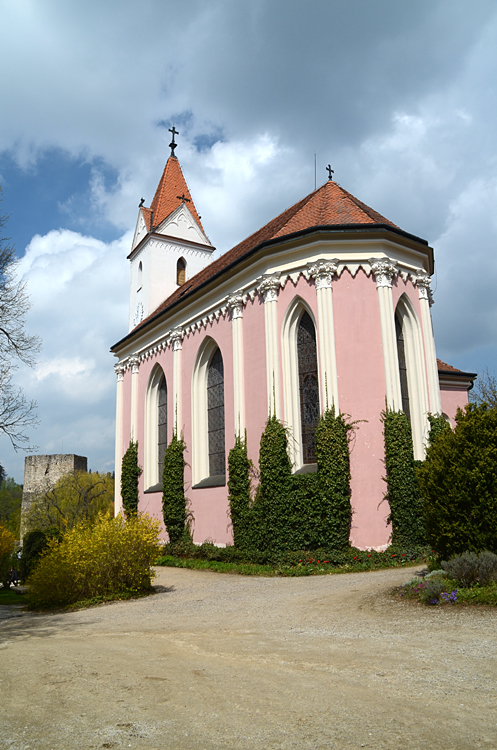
pixel 177 339
pixel 134 363
pixel 235 304
pixel 423 282
pixel 268 287
pixel 384 271
pixel 322 271
pixel 119 370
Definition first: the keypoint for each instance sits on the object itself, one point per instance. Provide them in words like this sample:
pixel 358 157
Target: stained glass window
pixel 404 388
pixel 215 415
pixel 162 424
pixel 308 386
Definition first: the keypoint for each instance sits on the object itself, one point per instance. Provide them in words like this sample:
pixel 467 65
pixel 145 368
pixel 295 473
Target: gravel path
pixel 216 662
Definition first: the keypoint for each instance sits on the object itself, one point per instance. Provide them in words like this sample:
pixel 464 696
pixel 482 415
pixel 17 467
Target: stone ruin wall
pixel 42 472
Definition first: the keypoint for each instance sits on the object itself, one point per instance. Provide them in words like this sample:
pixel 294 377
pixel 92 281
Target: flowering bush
pixel 110 557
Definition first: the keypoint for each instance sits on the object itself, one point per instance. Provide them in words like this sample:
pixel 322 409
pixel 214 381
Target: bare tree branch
pixel 16 412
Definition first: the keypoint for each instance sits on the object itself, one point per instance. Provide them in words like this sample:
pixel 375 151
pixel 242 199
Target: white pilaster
pixel 425 302
pixel 268 288
pixel 235 303
pixel 323 271
pixel 384 270
pixel 119 370
pixel 177 339
pixel 135 365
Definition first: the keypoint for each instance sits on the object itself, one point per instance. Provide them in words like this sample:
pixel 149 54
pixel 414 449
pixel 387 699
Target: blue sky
pixel 399 97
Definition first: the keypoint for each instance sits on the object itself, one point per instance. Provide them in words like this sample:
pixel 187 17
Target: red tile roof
pixel 167 197
pixel 330 206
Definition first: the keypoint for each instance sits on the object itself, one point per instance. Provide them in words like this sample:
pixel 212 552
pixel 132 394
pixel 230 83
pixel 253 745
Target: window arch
pixel 208 424
pixel 155 428
pixel 308 386
pixel 301 382
pixel 181 271
pixel 140 276
pixel 412 373
pixel 215 415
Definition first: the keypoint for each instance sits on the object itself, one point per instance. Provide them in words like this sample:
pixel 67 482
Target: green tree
pixel 130 474
pixel 77 496
pixel 458 483
pixel 174 503
pixel 7 544
pixel 10 505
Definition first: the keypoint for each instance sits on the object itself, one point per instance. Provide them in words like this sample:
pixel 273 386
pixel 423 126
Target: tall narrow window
pixel 181 271
pixel 162 425
pixel 308 386
pixel 215 415
pixel 140 275
pixel 401 351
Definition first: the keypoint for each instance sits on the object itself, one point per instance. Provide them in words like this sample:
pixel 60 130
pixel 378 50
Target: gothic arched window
pixel 181 271
pixel 161 425
pixel 401 351
pixel 308 386
pixel 215 415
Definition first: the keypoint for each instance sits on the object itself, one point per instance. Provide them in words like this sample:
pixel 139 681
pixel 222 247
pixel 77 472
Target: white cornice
pixel 272 280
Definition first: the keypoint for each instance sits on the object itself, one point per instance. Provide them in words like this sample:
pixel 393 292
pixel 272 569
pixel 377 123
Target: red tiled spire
pixel 172 184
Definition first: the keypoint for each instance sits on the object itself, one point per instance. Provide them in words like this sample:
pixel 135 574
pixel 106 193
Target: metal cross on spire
pixel 173 144
pixel 330 171
pixel 183 198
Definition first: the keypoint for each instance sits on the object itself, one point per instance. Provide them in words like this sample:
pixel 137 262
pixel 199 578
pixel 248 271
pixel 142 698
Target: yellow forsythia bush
pixel 111 556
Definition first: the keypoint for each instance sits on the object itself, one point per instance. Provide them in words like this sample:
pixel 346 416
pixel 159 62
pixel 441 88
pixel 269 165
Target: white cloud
pixel 79 295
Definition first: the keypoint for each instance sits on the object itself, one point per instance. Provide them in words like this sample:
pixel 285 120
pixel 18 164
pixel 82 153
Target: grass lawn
pixel 8 596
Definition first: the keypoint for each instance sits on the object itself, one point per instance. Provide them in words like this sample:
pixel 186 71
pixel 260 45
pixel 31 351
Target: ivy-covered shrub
pixel 239 493
pixel 109 557
pixel 406 508
pixel 438 425
pixel 333 459
pixel 292 512
pixel 174 505
pixel 130 473
pixel 458 483
pixel 271 507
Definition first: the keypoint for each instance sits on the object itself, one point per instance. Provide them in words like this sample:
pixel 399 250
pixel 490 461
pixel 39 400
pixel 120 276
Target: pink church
pixel 328 304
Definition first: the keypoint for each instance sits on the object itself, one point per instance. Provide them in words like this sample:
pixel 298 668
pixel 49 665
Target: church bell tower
pixel 169 245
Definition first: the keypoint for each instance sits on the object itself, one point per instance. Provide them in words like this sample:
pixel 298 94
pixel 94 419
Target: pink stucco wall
pixel 361 386
pixel 452 398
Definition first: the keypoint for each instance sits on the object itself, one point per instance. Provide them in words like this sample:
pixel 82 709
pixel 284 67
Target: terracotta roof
pixel 444 367
pixel 172 184
pixel 328 207
pixel 147 213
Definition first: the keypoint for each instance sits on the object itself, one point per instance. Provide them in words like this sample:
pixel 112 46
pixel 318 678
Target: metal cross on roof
pixel 183 198
pixel 330 171
pixel 173 144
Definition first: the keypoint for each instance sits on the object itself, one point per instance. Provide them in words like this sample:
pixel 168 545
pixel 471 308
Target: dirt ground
pixel 215 662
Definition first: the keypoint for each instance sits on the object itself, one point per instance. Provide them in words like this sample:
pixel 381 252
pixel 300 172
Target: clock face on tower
pixel 138 314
